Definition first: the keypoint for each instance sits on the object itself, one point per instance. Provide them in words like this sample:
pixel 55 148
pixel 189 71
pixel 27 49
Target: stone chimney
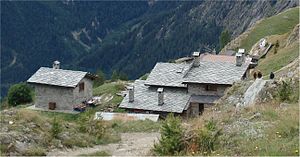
pixel 196 56
pixel 238 59
pixel 131 94
pixel 242 51
pixel 214 52
pixel 56 64
pixel 160 92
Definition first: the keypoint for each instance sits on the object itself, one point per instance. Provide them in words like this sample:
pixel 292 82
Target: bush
pixel 208 137
pixel 144 77
pixel 284 91
pixel 224 38
pixel 116 75
pixel 171 141
pixel 100 79
pixel 19 94
pixel 71 142
pixel 35 151
pixel 56 128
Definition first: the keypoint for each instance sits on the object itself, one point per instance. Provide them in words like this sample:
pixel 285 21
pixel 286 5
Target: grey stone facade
pixel 64 97
pixel 200 89
pixel 87 93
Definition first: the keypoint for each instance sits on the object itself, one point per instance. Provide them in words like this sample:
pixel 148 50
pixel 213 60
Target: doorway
pixel 201 108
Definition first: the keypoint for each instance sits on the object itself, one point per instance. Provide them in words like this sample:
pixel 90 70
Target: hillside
pixel 109 35
pixel 268 127
pixel 276 25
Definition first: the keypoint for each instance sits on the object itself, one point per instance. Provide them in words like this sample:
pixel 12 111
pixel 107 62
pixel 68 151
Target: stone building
pixel 59 89
pixel 186 88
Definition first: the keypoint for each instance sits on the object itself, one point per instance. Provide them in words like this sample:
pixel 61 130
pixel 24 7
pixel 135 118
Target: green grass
pixel 99 153
pixel 135 126
pixel 283 57
pixel 109 88
pixel 62 116
pixel 35 151
pixel 278 24
pixel 281 139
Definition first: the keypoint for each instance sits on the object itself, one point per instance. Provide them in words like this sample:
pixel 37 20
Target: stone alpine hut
pixel 186 88
pixel 58 89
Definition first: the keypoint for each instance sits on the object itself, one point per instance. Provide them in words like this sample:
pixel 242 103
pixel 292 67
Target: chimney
pixel 131 94
pixel 56 64
pixel 196 56
pixel 160 92
pixel 242 51
pixel 239 59
pixel 214 52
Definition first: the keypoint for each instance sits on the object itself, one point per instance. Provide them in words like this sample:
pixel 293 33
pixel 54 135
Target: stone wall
pixel 87 93
pixel 62 96
pixel 200 89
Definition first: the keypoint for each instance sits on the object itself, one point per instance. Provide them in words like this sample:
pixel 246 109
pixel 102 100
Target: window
pixel 211 88
pixel 81 86
pixel 51 105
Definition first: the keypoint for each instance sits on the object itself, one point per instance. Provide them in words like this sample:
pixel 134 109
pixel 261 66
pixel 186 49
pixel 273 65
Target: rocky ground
pixel 131 144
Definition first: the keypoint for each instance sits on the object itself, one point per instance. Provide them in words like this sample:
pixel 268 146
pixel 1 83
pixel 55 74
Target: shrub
pixel 56 128
pixel 99 153
pixel 284 91
pixel 171 141
pixel 71 142
pixel 224 38
pixel 208 137
pixel 35 151
pixel 144 77
pixel 100 79
pixel 96 128
pixel 19 94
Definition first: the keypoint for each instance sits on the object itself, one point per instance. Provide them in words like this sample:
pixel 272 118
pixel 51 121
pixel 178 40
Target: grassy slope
pixel 74 122
pixel 282 135
pixel 279 24
pixel 279 125
pixel 274 62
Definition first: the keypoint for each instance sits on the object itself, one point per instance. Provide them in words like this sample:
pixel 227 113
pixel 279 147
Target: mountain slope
pixel 116 35
pixel 279 24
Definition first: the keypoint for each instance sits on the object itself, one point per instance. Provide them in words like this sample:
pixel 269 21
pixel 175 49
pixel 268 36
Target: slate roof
pixel 57 77
pixel 168 74
pixel 216 73
pixel 146 98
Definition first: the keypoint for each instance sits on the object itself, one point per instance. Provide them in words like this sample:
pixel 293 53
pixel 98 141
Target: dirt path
pixel 131 144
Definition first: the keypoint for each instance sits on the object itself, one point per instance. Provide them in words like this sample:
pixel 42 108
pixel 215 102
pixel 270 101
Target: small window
pixel 51 105
pixel 81 86
pixel 211 88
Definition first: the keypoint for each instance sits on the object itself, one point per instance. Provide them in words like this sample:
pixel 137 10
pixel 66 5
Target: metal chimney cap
pixel 160 90
pixel 241 51
pixel 56 62
pixel 196 54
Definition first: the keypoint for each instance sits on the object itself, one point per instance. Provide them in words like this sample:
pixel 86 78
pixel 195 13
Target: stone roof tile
pixel 57 77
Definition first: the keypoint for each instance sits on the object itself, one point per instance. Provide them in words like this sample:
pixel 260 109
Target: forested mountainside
pixel 125 36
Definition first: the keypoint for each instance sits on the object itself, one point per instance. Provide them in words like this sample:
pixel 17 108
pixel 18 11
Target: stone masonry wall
pixel 62 96
pixel 200 89
pixel 87 93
